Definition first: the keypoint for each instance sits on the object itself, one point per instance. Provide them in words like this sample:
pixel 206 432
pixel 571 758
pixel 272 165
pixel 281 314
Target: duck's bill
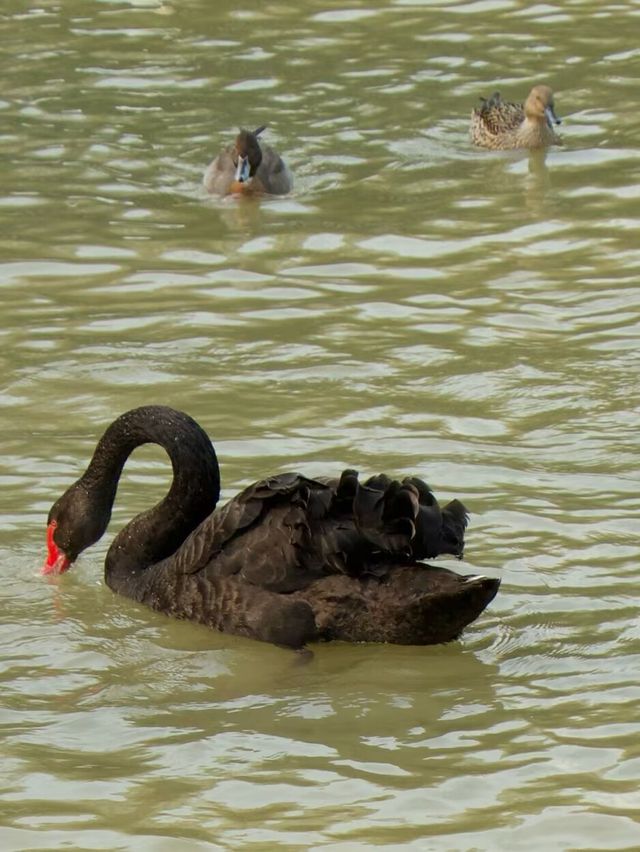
pixel 242 170
pixel 552 118
pixel 56 562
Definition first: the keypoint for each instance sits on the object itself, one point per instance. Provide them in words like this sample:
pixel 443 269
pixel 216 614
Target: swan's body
pixel 248 167
pixel 288 560
pixel 501 125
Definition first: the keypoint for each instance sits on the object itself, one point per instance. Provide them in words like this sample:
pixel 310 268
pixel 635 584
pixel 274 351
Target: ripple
pixel 416 306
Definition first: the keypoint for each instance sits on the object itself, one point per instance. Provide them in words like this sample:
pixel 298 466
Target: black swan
pixel 289 560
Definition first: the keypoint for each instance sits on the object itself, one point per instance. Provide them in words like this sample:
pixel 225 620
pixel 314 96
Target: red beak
pixel 56 562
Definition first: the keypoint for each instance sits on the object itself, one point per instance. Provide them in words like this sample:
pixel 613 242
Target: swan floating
pixel 289 560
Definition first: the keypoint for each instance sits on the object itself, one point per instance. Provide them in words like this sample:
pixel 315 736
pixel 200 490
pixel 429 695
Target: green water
pixel 415 306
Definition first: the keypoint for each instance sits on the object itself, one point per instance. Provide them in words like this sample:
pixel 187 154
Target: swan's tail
pixel 413 605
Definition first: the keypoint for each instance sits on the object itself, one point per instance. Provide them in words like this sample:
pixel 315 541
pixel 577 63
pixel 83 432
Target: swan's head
pixel 75 522
pixel 247 154
pixel 540 105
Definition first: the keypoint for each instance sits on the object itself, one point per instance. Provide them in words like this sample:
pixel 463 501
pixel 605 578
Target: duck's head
pixel 247 154
pixel 539 105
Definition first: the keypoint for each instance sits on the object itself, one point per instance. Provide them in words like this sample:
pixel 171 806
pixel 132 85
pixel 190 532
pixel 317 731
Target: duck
pixel 501 125
pixel 289 560
pixel 248 168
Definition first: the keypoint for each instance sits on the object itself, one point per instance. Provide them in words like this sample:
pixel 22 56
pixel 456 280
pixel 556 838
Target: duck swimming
pixel 289 560
pixel 247 167
pixel 501 125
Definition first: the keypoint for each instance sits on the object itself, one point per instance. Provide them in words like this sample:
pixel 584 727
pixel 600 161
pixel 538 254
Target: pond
pixel 415 306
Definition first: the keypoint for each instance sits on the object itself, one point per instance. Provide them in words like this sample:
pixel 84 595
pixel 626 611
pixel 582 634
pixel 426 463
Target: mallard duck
pixel 247 167
pixel 499 124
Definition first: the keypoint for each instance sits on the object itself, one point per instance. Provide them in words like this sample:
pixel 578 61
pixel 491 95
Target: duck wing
pixel 499 116
pixel 273 174
pixel 220 173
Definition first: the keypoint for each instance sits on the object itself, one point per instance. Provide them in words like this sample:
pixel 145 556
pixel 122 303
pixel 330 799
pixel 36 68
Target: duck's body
pixel 501 125
pixel 248 167
pixel 288 560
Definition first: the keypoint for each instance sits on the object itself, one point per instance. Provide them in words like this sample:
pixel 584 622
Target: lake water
pixel 415 306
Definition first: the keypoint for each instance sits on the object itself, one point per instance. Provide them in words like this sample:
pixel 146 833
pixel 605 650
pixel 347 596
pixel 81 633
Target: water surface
pixel 415 306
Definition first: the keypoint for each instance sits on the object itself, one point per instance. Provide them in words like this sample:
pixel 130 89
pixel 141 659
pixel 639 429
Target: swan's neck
pixel 157 533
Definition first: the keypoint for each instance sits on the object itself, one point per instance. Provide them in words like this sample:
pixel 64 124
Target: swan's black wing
pixel 257 534
pixel 284 532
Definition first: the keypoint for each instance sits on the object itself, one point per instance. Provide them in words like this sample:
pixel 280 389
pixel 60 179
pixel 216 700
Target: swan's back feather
pixel 285 532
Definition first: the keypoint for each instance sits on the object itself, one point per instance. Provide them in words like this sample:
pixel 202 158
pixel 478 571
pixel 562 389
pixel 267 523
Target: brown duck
pixel 289 560
pixel 500 125
pixel 248 167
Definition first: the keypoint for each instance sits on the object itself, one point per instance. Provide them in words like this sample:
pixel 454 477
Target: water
pixel 415 306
